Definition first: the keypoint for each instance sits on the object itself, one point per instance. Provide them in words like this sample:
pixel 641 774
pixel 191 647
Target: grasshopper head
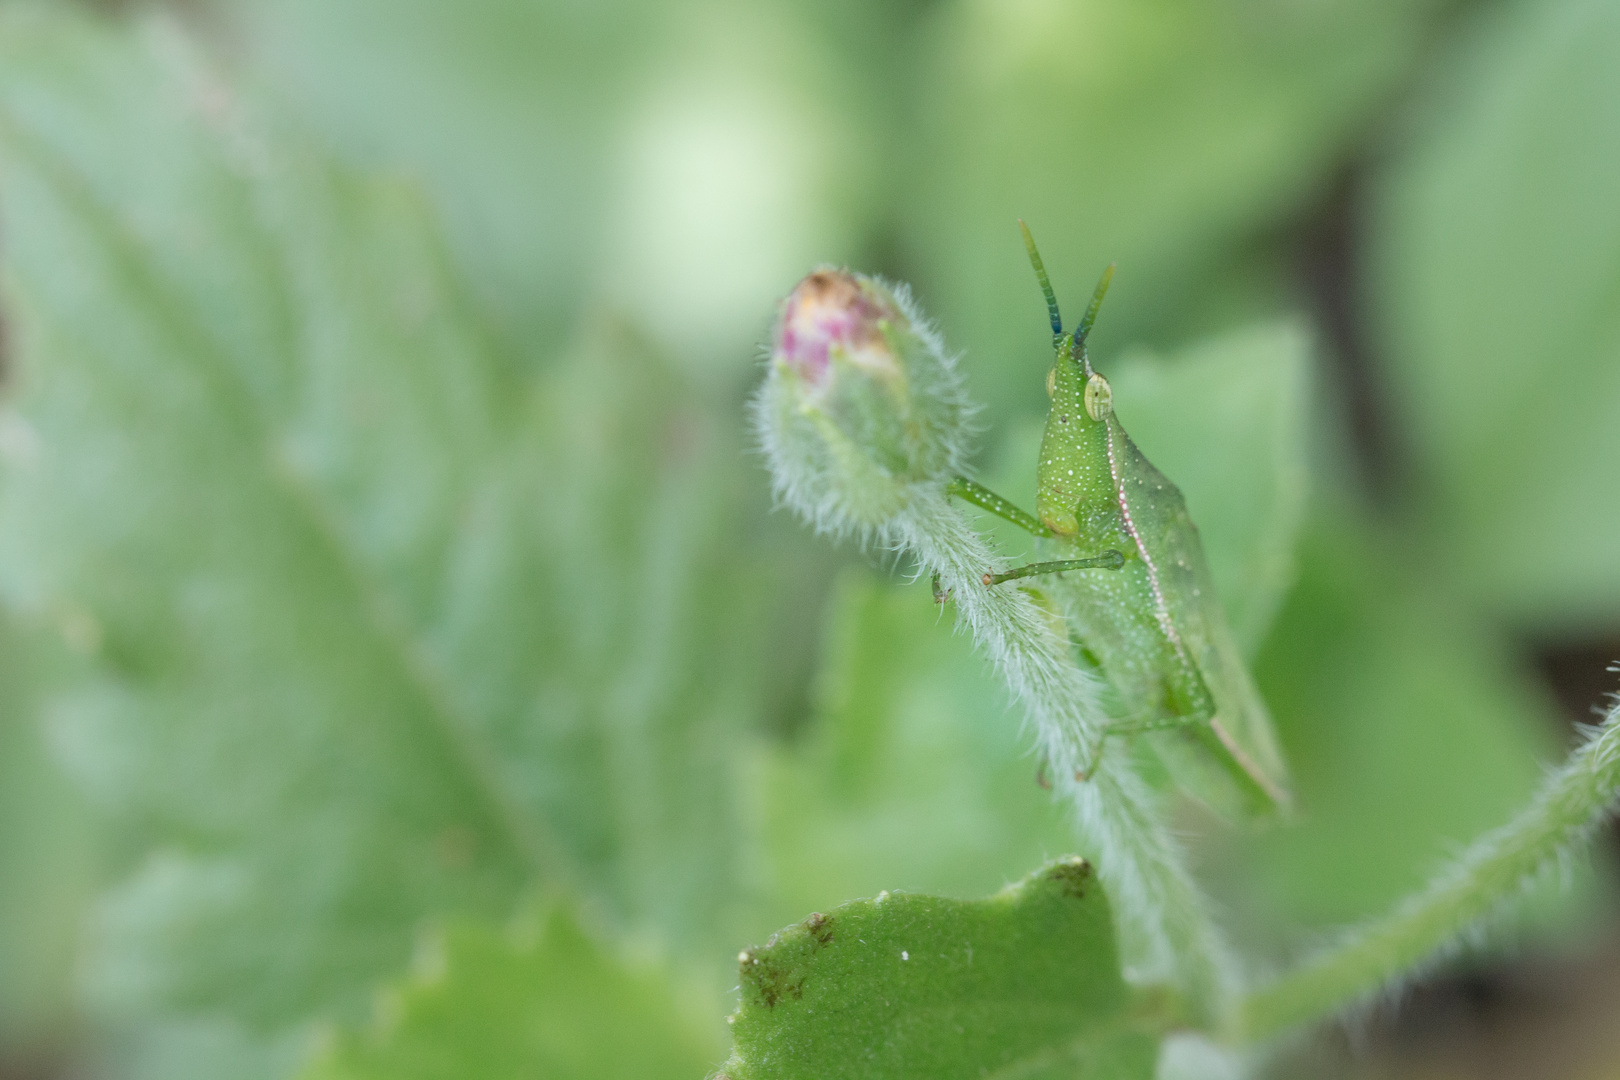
pixel 1073 465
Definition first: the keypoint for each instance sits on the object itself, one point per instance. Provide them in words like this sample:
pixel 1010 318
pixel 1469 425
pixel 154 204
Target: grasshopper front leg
pixel 976 493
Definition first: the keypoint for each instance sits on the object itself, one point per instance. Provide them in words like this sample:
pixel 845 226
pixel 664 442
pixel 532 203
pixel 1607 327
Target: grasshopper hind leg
pixel 1142 727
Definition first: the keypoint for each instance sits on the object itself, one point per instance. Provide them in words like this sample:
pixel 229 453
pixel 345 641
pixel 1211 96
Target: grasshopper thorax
pixel 1073 462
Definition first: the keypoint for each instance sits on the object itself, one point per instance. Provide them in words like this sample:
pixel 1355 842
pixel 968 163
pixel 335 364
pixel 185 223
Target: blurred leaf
pixel 49 860
pixel 498 106
pixel 1225 420
pixel 915 773
pixel 1497 270
pixel 542 999
pixel 747 160
pixel 687 161
pixel 247 676
pixel 1155 133
pixel 203 1048
pixel 1405 725
pixel 1023 984
pixel 385 627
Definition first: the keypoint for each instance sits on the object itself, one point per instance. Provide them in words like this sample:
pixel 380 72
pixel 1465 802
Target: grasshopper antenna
pixel 1084 329
pixel 1046 283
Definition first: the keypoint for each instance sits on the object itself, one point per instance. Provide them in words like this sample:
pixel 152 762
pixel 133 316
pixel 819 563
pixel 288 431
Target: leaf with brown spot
pixel 1023 983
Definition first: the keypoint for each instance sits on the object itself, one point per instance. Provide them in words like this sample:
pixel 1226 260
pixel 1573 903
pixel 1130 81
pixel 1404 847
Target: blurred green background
pixel 397 646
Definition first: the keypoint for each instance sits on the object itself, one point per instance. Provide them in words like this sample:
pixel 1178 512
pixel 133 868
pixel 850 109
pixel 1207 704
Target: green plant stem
pixel 1165 929
pixel 1571 803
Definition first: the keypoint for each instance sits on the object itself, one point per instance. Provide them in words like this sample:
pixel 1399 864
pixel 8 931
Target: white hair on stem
pixel 1165 929
pixel 1376 959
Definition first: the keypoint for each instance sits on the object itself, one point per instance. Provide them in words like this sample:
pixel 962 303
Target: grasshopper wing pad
pixel 1189 610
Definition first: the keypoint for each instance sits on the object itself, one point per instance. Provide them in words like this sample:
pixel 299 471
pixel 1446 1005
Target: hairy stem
pixel 1164 923
pixel 1571 803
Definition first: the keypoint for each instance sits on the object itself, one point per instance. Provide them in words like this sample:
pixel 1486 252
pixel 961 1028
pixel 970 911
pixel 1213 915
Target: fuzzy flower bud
pixel 860 402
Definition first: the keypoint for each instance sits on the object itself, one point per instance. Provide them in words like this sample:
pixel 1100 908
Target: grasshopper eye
pixel 1051 381
pixel 1099 397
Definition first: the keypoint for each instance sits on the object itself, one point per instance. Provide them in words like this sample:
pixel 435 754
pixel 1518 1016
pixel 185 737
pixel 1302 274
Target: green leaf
pixel 385 626
pixel 1496 269
pixel 686 163
pixel 1407 729
pixel 49 856
pixel 913 773
pixel 495 106
pixel 244 669
pixel 539 999
pixel 1154 134
pixel 1023 984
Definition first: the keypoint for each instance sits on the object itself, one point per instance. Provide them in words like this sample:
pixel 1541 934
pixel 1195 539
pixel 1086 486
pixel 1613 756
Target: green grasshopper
pixel 1153 625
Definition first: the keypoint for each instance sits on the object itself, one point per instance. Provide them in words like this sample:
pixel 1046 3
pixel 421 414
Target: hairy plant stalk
pixel 1165 929
pixel 1572 802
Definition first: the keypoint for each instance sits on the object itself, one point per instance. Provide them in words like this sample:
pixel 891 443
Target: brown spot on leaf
pixel 1073 874
pixel 774 984
pixel 820 927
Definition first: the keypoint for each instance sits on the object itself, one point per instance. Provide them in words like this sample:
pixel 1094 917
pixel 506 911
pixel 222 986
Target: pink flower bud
pixel 860 402
pixel 837 312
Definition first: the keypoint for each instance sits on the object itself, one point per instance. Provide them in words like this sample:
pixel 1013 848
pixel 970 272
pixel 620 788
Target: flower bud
pixel 860 402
